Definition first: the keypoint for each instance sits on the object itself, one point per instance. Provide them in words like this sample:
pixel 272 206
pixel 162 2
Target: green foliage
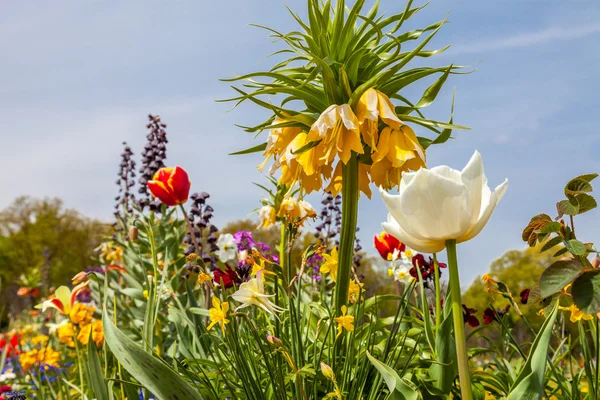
pixel 558 275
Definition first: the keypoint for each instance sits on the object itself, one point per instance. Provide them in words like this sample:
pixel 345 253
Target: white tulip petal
pixel 447 172
pixel 423 246
pixel 433 207
pixel 473 178
pixel 494 199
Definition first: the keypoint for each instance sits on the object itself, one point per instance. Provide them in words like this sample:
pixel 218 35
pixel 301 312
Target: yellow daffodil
pixel 97 331
pixel 218 314
pixel 577 314
pixel 344 322
pixel 354 291
pixel 374 106
pixel 330 266
pixel 268 217
pixel 252 293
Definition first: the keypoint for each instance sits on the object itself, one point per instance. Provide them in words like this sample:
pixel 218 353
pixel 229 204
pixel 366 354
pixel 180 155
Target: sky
pixel 80 78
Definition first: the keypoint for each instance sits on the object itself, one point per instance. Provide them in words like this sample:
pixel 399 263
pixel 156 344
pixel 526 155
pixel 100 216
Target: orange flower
pixel 171 186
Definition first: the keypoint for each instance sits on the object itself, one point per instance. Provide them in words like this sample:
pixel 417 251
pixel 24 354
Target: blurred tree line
pixel 43 245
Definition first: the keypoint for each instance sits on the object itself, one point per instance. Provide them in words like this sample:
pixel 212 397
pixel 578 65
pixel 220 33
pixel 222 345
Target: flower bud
pixel 327 371
pixel 80 277
pixel 133 233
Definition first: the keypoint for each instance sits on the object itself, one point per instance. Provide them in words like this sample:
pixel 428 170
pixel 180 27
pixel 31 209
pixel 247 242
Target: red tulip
pixel 170 185
pixel 386 244
pixel 11 345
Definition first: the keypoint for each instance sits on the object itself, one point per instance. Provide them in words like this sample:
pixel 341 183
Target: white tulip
pixel 440 204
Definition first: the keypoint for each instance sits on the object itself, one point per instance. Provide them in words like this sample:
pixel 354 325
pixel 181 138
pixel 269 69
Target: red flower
pixel 490 315
pixel 386 244
pixel 525 296
pixel 226 278
pixel 11 345
pixel 170 185
pixel 469 316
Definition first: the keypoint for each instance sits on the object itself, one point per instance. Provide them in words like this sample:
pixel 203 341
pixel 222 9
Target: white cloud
pixel 528 39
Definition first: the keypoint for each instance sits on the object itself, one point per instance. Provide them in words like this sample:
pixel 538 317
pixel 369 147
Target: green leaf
pixel 433 90
pixel 560 252
pixel 586 202
pixel 576 247
pixel 586 292
pixel 558 275
pixel 306 147
pixel 445 370
pixel 399 388
pixel 96 375
pixel 580 184
pixel 151 372
pixel 255 149
pixel 569 207
pixel 550 228
pixel 530 382
pixel 551 243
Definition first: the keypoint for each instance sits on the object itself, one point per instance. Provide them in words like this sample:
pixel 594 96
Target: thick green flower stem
pixel 459 323
pixel 348 232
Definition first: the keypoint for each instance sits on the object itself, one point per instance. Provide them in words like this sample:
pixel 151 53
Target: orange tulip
pixel 170 185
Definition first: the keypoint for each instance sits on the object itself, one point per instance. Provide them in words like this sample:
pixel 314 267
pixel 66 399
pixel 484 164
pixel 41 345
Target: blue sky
pixel 79 79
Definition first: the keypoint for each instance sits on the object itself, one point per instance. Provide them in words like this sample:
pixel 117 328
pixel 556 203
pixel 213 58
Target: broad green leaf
pixel 96 375
pixel 550 228
pixel 586 292
pixel 580 184
pixel 445 370
pixel 399 388
pixel 530 382
pixel 586 202
pixel 558 275
pixel 569 207
pixel 255 149
pixel 151 372
pixel 576 247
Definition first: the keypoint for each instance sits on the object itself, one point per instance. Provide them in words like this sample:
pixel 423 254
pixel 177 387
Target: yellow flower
pixel 145 293
pixel 267 217
pixel 202 278
pixel 577 314
pixel 97 331
pixel 330 266
pixel 490 283
pixel 339 130
pixel 294 210
pixel 81 314
pixel 46 356
pixel 278 140
pixel 39 340
pixel 112 254
pixel 253 293
pixel 335 185
pixel 65 334
pixel 372 107
pixel 390 272
pixel 354 291
pixel 344 322
pixel 398 150
pixel 218 314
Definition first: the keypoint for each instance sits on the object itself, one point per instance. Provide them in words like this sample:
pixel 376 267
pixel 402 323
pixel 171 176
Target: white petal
pixel 348 117
pixel 473 178
pixel 447 172
pixel 432 207
pixel 424 246
pixel 494 199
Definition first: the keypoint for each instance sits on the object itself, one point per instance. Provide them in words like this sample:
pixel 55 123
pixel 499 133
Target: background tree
pixel 44 244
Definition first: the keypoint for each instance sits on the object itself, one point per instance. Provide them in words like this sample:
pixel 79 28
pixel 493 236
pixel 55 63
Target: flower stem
pixel 459 324
pixel 438 294
pixel 348 232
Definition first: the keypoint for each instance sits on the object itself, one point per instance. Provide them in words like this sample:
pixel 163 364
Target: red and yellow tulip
pixel 171 186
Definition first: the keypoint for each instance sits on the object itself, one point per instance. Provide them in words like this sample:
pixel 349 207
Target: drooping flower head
pixel 171 186
pixel 441 204
pixel 252 293
pixel 267 216
pixel 469 316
